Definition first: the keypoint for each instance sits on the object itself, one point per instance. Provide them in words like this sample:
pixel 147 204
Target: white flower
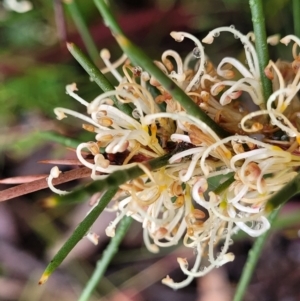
pixel 176 202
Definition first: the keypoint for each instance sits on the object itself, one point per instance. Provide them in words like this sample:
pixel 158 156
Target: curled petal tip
pixel 167 280
pixel 59 114
pixel 208 39
pixel 285 41
pixel 177 36
pixel 110 231
pixel 182 261
pixel 55 172
pixel 273 40
pixel 71 88
pixel 230 257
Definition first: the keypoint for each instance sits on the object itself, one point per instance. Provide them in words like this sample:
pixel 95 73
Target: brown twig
pixel 22 179
pixel 26 188
pixel 63 161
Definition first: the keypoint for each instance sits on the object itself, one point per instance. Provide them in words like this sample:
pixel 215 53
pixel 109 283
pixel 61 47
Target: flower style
pixel 177 202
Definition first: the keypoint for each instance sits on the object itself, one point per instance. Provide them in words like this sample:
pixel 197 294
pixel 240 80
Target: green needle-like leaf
pixel 107 256
pixel 296 15
pixel 137 56
pixel 83 30
pixel 261 45
pixel 252 259
pixel 96 75
pixel 77 235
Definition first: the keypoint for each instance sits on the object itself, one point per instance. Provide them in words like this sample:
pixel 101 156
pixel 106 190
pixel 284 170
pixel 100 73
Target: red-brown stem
pixel 26 188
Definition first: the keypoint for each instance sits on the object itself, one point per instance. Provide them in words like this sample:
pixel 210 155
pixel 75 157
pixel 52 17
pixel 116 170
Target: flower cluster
pixel 177 202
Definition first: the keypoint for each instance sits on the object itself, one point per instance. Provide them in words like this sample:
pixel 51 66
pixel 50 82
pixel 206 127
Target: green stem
pixel 107 256
pixel 115 179
pixel 284 194
pixel 137 56
pixel 252 259
pixel 261 45
pixel 296 15
pixel 78 234
pixel 83 30
pixel 97 76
